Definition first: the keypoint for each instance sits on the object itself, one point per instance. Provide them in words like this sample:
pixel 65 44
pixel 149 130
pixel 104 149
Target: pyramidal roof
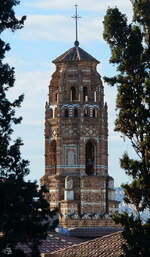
pixel 75 54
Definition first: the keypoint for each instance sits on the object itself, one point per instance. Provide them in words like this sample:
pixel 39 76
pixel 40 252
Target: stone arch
pixel 90 149
pixel 86 112
pixel 73 94
pixel 75 112
pixel 66 112
pixel 85 94
pixel 51 113
pixel 53 158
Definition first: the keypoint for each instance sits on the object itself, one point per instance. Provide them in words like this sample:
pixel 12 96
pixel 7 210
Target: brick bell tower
pixel 76 142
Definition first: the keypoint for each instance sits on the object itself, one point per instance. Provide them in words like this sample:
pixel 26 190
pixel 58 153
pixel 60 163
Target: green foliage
pixel 135 234
pixel 130 52
pixel 24 213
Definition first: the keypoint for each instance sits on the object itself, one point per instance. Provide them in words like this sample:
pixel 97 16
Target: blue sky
pixel 48 32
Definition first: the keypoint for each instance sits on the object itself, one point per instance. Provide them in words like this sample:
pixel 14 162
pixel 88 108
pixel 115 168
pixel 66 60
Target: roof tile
pixel 75 54
pixel 106 246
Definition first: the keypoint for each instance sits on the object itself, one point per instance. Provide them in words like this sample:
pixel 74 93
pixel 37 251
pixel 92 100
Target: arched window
pixel 66 113
pixel 85 94
pixel 51 113
pixel 53 156
pixel 55 113
pixel 94 113
pixel 86 112
pixel 75 112
pixel 89 158
pixel 56 97
pixel 73 94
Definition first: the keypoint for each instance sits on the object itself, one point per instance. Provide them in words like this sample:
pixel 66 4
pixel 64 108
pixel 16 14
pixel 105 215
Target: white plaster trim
pixel 87 80
pixel 48 167
pixel 90 203
pixel 53 106
pixel 101 167
pixel 72 70
pixel 69 208
pixel 91 190
pixel 70 106
pixel 72 80
pixel 70 167
pixel 86 70
pixel 91 106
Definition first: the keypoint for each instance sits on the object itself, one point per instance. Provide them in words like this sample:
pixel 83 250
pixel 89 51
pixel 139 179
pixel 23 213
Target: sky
pixel 48 32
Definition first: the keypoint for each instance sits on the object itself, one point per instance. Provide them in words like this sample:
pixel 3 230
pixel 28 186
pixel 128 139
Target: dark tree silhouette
pixel 130 52
pixel 24 213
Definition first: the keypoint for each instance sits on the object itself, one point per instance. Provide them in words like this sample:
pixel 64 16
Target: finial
pixel 76 17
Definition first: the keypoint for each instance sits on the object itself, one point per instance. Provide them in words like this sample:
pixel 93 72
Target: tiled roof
pixel 54 242
pixel 106 246
pixel 93 232
pixel 75 54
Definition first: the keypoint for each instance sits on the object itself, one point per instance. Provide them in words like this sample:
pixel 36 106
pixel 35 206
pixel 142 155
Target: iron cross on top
pixel 76 17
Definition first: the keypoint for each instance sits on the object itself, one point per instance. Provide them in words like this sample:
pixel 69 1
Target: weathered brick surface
pixel 76 136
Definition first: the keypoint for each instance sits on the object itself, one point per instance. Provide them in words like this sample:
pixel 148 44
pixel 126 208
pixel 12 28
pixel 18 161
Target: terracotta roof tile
pixel 54 242
pixel 106 246
pixel 93 232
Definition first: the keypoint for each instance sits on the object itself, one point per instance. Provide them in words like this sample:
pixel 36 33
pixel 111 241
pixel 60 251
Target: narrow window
pixel 51 113
pixel 56 98
pixel 85 94
pixel 94 113
pixel 89 158
pixel 86 112
pixel 75 112
pixel 73 94
pixel 55 112
pixel 66 113
pixel 53 156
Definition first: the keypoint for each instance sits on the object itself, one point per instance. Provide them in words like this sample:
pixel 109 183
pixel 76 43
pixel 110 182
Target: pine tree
pixel 24 213
pixel 130 52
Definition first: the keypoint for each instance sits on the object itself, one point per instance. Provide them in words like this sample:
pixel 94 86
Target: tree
pixel 130 52
pixel 24 213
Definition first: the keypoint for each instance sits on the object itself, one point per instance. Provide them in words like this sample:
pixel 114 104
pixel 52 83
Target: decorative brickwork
pixel 76 142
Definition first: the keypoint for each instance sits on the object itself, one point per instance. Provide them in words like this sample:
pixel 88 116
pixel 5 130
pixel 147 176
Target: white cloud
pixel 58 25
pixel 60 28
pixel 14 62
pixel 96 5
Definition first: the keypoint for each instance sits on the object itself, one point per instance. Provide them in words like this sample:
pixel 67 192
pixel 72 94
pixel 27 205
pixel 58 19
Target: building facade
pixel 76 142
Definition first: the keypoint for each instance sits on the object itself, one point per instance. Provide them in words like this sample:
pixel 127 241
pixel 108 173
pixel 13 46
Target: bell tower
pixel 76 142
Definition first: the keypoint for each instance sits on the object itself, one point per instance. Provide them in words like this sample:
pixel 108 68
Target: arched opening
pixel 53 156
pixel 66 113
pixel 73 94
pixel 94 113
pixel 85 94
pixel 89 158
pixel 56 97
pixel 75 112
pixel 86 112
pixel 51 113
pixel 55 113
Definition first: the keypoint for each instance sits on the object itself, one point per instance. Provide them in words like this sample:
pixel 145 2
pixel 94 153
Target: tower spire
pixel 76 17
